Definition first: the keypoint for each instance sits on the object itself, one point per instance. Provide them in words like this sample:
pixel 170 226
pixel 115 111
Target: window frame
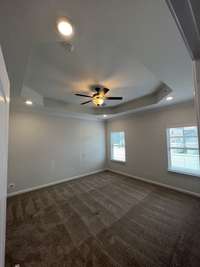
pixel 111 147
pixel 185 171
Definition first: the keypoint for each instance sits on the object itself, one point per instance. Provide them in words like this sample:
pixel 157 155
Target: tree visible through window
pixel 118 146
pixel 183 150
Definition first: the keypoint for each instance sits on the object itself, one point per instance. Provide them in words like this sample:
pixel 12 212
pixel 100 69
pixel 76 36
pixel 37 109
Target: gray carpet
pixel 103 220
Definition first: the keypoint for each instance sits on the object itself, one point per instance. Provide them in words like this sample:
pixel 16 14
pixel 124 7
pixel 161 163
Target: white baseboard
pixel 101 170
pixel 156 183
pixel 52 183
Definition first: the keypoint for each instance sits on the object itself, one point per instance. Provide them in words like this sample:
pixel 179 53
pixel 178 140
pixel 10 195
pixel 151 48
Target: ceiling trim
pixel 62 108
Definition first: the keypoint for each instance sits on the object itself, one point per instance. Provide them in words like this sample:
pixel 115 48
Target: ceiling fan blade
pixel 83 95
pixel 105 90
pixel 114 98
pixel 86 102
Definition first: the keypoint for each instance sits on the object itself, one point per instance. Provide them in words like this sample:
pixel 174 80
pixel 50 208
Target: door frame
pixel 4 117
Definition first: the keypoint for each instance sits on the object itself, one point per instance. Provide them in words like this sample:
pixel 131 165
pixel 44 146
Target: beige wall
pixel 44 149
pixel 146 147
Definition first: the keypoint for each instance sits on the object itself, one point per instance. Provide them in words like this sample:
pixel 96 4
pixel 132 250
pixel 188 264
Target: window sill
pixel 186 172
pixel 118 161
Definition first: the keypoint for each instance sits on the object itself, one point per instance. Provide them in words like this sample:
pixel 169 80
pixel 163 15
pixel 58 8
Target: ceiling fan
pixel 99 97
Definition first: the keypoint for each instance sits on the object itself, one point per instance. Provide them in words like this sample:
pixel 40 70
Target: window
pixel 183 150
pixel 118 146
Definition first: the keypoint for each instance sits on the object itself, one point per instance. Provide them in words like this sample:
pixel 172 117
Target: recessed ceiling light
pixel 169 98
pixel 64 27
pixel 29 102
pixel 105 116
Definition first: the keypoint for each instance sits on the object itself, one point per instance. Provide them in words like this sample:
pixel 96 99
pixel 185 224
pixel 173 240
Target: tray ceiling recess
pixel 139 56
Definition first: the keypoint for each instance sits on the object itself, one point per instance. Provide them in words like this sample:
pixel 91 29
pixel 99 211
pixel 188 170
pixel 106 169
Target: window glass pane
pixel 191 142
pixel 183 150
pixel 177 158
pixel 177 142
pixel 176 132
pixel 192 159
pixel 118 153
pixel 178 150
pixel 190 131
pixel 118 146
pixel 192 151
pixel 187 160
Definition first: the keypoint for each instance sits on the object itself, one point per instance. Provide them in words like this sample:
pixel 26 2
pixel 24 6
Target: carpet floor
pixel 103 220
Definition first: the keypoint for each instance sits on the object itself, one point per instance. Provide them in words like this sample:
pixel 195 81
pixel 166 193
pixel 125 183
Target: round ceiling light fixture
pixel 64 27
pixel 169 98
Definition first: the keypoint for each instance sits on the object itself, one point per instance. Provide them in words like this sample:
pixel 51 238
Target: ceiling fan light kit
pixel 98 100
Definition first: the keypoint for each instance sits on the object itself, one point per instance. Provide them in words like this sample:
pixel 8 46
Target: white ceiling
pixel 130 46
pixel 56 73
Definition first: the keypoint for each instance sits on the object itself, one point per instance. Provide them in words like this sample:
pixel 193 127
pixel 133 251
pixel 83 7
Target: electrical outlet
pixel 11 186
